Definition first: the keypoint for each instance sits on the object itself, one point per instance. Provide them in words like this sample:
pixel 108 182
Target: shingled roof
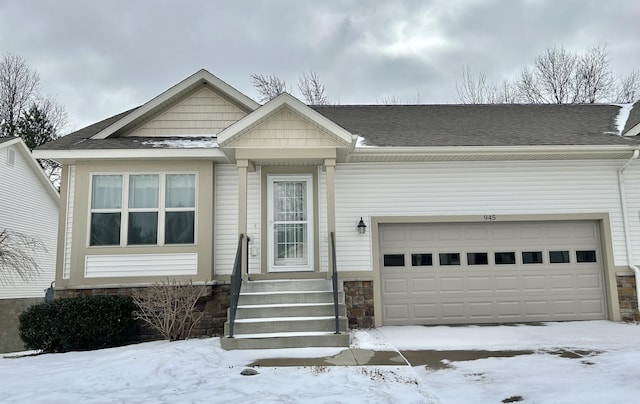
pixel 431 126
pixel 479 125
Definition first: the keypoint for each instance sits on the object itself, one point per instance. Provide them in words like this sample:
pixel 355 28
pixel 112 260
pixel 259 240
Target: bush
pixel 78 324
pixel 168 307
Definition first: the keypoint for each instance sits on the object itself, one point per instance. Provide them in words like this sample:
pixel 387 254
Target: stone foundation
pixel 627 297
pixel 359 302
pixel 213 304
pixel 10 310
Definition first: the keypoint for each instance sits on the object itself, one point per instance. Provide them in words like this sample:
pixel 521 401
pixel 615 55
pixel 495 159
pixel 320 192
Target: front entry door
pixel 290 223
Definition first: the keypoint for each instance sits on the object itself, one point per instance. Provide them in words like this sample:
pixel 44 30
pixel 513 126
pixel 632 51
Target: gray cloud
pixel 100 58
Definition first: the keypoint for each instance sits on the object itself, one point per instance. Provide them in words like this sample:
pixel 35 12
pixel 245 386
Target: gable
pixel 205 112
pixel 286 128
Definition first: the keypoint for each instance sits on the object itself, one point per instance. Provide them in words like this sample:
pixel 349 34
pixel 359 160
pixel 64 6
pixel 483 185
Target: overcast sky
pixel 99 58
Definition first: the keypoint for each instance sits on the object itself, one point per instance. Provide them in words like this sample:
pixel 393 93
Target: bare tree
pixel 312 89
pixel 18 256
pixel 477 90
pixel 268 87
pixel 19 85
pixel 168 307
pixel 557 76
pixel 552 79
pixel 629 88
pixel 593 76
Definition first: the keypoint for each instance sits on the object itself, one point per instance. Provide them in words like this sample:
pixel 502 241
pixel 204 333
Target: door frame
pixel 289 171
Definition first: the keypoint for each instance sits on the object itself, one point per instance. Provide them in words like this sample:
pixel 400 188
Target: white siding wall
pixel 68 234
pixel 26 206
pixel 226 218
pixel 322 219
pixel 483 188
pixel 253 219
pixel 132 265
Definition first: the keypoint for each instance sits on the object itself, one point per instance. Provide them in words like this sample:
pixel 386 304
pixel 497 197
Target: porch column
pixel 243 166
pixel 330 168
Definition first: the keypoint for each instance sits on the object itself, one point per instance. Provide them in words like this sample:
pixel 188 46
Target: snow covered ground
pixel 200 371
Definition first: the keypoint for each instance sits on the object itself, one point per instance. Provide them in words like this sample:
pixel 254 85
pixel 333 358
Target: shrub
pixel 79 323
pixel 168 307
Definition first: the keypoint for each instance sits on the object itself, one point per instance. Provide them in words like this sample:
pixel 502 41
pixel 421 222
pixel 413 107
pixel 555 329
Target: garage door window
pixel 478 258
pixel 505 258
pixel 532 257
pixel 394 260
pixel 559 257
pixel 449 258
pixel 421 260
pixel 586 256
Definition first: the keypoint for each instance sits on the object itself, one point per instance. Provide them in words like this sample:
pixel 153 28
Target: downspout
pixel 625 224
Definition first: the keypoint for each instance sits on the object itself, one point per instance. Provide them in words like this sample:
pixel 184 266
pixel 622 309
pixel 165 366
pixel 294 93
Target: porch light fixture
pixel 362 228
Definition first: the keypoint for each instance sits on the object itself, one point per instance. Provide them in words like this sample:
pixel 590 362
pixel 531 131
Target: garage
pixel 491 272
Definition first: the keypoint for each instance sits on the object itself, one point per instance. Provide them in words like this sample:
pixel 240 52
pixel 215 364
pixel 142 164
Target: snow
pixel 199 370
pixel 623 116
pixel 362 142
pixel 190 143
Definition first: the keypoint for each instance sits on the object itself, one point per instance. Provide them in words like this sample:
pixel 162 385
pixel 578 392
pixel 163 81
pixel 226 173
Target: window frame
pixel 124 210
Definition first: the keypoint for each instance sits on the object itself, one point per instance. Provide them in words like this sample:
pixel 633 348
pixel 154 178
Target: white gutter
pixel 625 224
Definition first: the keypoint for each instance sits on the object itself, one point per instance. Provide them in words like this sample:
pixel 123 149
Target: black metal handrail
pixel 334 280
pixel 236 283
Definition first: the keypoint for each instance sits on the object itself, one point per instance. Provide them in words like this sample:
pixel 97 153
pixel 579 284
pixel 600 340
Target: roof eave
pixel 71 156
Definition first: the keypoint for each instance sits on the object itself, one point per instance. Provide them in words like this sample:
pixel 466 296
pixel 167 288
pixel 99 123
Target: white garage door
pixel 465 273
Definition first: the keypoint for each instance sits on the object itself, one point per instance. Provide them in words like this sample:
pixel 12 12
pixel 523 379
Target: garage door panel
pixel 480 284
pixel 507 284
pixel 532 288
pixel 395 286
pixel 534 283
pixel 589 282
pixel 397 312
pixel 424 285
pixel 562 282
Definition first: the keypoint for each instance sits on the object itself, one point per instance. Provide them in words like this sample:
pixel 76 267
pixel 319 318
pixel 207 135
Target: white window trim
pixel 124 210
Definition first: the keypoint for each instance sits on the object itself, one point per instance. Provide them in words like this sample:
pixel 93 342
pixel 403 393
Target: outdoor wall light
pixel 362 228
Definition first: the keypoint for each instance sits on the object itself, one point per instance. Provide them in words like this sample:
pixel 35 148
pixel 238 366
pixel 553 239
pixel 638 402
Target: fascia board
pixel 635 131
pixel 298 106
pixel 553 149
pixel 74 155
pixel 202 76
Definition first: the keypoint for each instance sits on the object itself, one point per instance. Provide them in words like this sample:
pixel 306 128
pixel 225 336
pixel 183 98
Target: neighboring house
pixel 473 213
pixel 28 205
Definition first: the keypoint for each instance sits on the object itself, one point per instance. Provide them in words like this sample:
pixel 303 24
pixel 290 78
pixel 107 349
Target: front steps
pixel 287 314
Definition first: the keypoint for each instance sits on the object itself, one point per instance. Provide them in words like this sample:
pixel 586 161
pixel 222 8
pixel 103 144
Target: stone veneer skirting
pixel 359 301
pixel 627 297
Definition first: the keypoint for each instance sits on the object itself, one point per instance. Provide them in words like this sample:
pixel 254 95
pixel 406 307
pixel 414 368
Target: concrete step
pixel 287 297
pixel 286 310
pixel 286 324
pixel 286 340
pixel 283 285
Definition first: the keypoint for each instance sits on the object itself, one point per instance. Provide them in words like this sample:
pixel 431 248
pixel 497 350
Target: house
pixel 439 214
pixel 28 205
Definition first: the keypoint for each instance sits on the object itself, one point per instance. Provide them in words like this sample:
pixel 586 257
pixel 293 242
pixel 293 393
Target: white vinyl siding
pixel 226 218
pixel 483 188
pixel 134 265
pixel 68 234
pixel 254 219
pixel 324 240
pixel 29 208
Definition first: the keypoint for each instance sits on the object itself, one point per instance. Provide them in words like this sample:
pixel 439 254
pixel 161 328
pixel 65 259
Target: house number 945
pixel 490 218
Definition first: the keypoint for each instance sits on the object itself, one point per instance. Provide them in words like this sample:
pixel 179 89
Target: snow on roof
pixel 362 142
pixel 623 116
pixel 186 143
